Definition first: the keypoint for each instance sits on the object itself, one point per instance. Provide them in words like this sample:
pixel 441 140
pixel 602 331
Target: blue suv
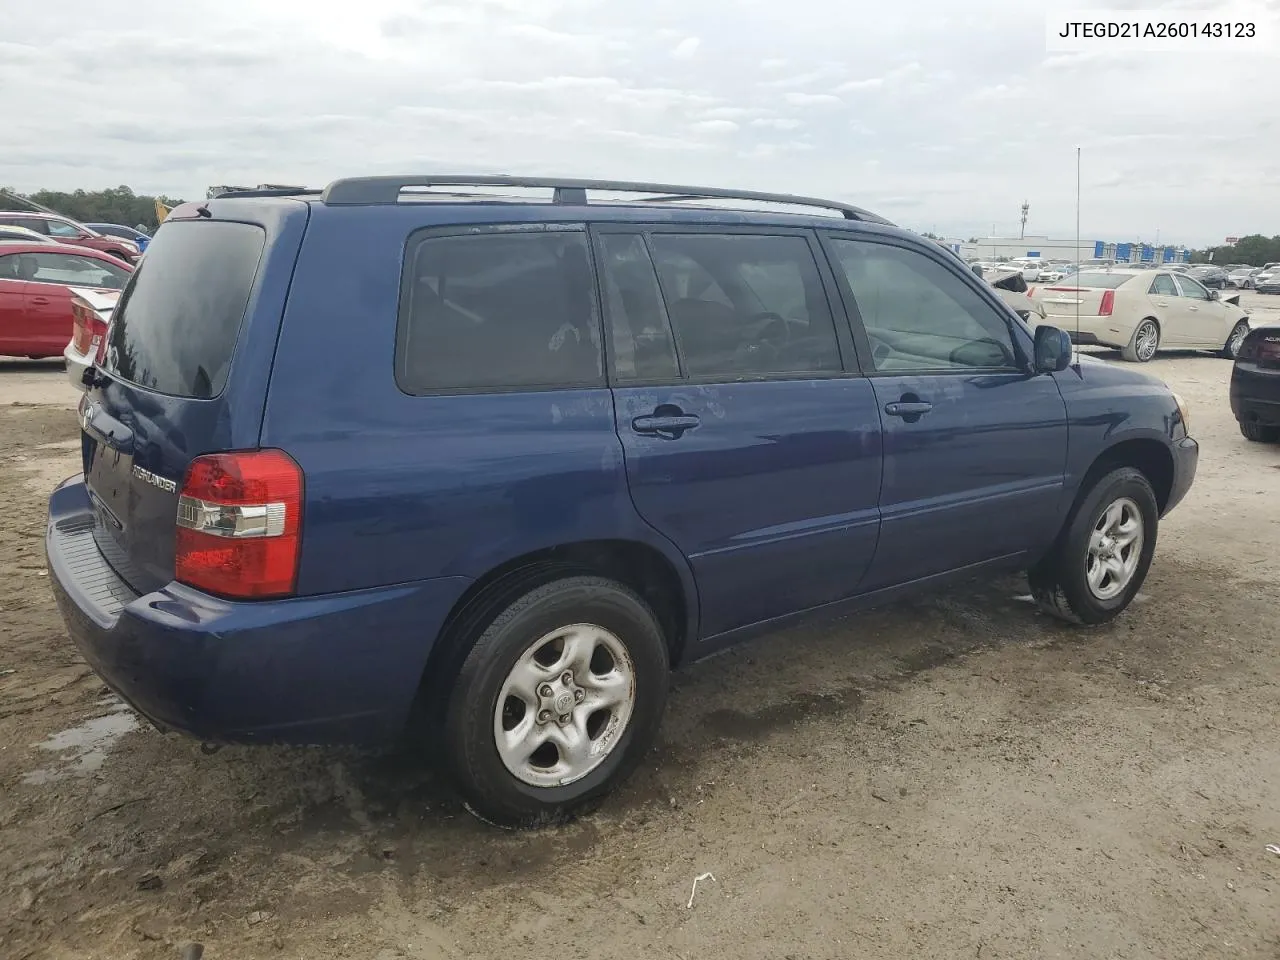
pixel 496 454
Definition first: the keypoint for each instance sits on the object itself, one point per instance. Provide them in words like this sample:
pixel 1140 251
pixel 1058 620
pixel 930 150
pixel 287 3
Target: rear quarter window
pixel 176 325
pixel 501 310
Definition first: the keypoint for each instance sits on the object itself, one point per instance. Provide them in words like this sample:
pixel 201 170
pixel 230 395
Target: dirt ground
pixel 953 777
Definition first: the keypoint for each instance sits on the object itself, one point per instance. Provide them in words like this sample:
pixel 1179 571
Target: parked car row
pixel 65 230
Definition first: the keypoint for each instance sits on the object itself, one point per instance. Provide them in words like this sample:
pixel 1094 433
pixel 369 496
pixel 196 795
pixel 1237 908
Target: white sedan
pixel 1142 311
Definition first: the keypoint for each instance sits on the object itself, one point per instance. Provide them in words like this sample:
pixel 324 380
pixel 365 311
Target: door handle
pixel 40 301
pixel 671 426
pixel 908 408
pixel 1194 309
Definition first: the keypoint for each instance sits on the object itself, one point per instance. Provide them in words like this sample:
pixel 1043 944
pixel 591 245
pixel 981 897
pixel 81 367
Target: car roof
pixel 23 246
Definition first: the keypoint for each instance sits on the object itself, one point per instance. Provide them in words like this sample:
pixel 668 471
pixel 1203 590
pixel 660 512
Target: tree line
pixel 1255 250
pixel 113 205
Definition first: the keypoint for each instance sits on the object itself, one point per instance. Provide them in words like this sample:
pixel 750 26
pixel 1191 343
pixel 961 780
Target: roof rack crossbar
pixel 364 191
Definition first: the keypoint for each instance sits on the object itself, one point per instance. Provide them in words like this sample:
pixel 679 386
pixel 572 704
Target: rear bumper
pixel 339 668
pixel 1092 330
pixel 77 364
pixel 1255 394
pixel 1186 457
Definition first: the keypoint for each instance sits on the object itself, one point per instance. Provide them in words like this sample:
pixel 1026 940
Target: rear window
pixel 504 310
pixel 1106 281
pixel 177 322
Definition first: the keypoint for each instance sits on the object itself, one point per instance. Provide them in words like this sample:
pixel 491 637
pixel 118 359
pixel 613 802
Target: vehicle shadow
pixel 236 829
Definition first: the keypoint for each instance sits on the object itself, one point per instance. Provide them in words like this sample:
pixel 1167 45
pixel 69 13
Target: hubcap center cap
pixel 563 702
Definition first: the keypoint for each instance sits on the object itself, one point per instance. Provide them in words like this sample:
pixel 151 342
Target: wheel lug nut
pixel 544 716
pixel 579 696
pixel 545 690
pixel 566 677
pixel 564 720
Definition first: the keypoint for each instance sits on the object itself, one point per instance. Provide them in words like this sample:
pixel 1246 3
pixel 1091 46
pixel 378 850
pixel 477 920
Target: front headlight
pixel 1183 411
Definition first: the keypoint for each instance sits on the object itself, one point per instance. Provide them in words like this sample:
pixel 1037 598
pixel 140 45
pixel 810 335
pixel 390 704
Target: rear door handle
pixel 671 426
pixel 908 408
pixel 40 301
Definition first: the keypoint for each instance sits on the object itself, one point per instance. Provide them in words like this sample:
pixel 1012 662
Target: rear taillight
pixel 240 524
pixel 1261 349
pixel 1031 291
pixel 88 330
pixel 1108 303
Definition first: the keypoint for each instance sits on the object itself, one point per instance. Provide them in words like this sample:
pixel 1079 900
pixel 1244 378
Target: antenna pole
pixel 1077 257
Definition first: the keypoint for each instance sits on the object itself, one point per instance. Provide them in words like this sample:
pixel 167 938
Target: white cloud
pixel 812 99
pixel 715 126
pixel 777 123
pixel 870 83
pixel 936 120
pixel 686 48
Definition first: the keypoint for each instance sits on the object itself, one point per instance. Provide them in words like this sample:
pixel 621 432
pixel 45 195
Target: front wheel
pixel 557 701
pixel 1103 554
pixel 1144 343
pixel 1236 340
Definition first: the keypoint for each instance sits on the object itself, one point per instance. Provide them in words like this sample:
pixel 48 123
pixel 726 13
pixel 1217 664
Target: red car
pixel 37 287
pixel 66 230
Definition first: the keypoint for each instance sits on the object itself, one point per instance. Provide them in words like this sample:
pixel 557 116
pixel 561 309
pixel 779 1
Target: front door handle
pixel 671 426
pixel 910 409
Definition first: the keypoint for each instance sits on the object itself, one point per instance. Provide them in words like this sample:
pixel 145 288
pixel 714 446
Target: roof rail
pixel 363 191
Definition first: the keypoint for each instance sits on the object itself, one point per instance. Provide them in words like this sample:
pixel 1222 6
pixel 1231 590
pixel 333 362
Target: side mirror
pixel 1214 295
pixel 1052 349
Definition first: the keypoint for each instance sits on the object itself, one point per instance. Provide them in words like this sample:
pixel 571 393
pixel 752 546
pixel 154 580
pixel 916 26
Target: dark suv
pixel 407 448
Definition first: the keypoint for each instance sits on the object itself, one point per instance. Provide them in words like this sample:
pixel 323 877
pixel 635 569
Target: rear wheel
pixel 1236 340
pixel 557 701
pixel 1144 343
pixel 1259 433
pixel 1103 554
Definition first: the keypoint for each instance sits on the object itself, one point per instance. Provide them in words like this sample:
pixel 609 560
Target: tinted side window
pixel 642 344
pixel 1162 286
pixel 498 310
pixel 177 322
pixel 9 267
pixel 917 314
pixel 745 305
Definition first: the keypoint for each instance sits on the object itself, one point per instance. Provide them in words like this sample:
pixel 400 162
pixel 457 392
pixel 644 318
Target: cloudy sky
pixel 940 114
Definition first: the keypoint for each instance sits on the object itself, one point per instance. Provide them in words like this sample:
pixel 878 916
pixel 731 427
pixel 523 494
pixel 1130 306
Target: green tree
pixel 113 205
pixel 1254 250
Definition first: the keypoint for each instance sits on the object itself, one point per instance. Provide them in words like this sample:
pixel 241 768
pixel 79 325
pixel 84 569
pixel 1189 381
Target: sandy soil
pixel 953 777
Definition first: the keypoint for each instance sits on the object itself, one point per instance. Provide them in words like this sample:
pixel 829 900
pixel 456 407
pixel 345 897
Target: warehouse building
pixel 995 248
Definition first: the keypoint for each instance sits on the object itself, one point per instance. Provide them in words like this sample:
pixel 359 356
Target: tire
pixel 1144 343
pixel 1259 432
pixel 541 631
pixel 1235 340
pixel 1061 582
